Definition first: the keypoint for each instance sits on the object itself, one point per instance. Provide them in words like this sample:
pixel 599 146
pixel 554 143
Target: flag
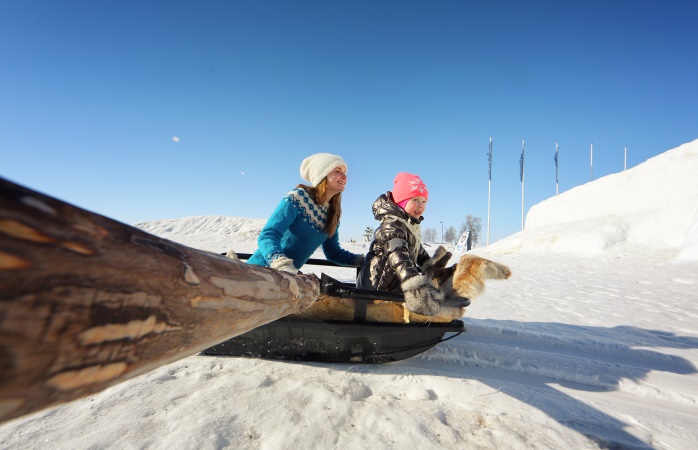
pixel 556 149
pixel 489 159
pixel 521 160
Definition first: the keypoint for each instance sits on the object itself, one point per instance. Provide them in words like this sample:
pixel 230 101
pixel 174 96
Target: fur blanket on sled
pixel 466 279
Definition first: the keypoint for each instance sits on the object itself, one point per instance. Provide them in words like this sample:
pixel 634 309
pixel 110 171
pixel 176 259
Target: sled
pixel 365 329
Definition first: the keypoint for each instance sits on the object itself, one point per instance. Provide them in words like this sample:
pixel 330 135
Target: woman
pixel 307 218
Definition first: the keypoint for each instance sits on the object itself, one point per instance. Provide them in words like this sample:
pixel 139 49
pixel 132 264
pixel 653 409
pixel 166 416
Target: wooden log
pixel 87 302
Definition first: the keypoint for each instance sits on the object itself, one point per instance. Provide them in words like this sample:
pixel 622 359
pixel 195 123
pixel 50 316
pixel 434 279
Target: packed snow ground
pixel 592 343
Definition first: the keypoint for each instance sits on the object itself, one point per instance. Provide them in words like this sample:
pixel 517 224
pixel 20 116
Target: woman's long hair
pixel 335 210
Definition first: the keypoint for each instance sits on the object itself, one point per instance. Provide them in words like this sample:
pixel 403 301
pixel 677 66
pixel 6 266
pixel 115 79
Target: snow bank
pixel 653 206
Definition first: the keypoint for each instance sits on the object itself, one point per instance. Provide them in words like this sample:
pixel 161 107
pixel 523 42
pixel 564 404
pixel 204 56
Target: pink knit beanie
pixel 407 185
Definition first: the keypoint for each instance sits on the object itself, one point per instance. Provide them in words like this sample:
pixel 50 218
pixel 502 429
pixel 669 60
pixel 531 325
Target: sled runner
pixel 347 325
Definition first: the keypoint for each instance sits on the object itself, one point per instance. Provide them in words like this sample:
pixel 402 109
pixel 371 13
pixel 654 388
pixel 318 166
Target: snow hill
pixel 208 232
pixel 652 206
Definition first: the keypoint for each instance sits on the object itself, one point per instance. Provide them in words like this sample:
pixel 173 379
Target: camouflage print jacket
pixel 396 252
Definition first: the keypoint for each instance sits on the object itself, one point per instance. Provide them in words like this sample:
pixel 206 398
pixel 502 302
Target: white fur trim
pixel 316 167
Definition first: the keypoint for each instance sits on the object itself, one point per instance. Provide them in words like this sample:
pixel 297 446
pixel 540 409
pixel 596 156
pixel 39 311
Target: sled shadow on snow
pixel 526 360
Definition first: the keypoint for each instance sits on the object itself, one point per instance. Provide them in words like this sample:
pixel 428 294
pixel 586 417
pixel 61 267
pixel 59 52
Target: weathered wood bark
pixel 87 302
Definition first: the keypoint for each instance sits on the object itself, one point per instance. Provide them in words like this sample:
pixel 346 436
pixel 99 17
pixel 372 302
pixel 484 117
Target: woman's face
pixel 336 181
pixel 416 207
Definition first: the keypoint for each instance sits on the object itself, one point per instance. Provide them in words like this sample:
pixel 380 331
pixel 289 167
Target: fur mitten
pixel 421 297
pixel 359 260
pixel 437 262
pixel 284 264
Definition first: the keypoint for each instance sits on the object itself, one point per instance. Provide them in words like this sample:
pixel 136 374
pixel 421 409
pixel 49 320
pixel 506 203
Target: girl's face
pixel 336 181
pixel 416 207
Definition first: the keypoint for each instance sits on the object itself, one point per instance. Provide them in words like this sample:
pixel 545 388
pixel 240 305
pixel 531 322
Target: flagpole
pixel 557 149
pixel 522 183
pixel 489 190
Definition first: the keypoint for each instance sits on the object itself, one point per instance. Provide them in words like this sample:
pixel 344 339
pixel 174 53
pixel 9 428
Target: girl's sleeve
pixel 269 240
pixel 423 256
pixel 398 260
pixel 335 253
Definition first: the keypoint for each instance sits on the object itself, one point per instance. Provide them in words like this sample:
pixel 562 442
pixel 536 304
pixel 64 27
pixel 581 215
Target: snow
pixel 592 343
pixel 653 205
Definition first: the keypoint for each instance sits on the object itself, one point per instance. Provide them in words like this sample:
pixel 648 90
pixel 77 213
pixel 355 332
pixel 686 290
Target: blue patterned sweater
pixel 296 229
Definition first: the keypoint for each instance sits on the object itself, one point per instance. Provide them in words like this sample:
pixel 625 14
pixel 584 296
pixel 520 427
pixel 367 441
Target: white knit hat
pixel 316 167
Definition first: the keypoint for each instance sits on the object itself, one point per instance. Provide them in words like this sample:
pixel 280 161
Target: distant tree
pixel 463 228
pixel 450 234
pixel 429 235
pixel 368 234
pixel 474 224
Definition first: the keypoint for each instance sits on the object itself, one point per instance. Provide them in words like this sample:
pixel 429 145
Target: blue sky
pixel 93 93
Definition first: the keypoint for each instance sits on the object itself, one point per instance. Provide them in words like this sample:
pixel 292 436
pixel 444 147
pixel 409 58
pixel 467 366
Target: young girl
pixel 394 260
pixel 306 218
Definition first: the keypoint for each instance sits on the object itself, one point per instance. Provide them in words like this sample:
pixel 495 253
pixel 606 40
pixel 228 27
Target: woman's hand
pixel 284 264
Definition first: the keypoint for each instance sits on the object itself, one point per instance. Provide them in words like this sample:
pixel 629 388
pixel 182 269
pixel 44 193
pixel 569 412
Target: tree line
pixel 450 234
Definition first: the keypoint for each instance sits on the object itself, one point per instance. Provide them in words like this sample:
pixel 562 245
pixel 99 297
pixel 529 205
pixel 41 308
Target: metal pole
pixel 489 192
pixel 557 162
pixel 522 205
pixel 522 183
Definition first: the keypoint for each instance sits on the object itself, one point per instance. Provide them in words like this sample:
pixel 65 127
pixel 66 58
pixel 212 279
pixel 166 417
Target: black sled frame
pixel 341 341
